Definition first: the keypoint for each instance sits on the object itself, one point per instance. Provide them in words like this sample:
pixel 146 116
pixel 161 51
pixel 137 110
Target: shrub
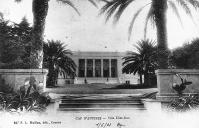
pixel 184 103
pixel 187 56
pixel 28 98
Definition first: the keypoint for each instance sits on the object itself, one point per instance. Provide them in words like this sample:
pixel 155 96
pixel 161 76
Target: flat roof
pixel 98 53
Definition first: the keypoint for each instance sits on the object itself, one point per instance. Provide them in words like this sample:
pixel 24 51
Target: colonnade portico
pixel 106 67
pixel 99 67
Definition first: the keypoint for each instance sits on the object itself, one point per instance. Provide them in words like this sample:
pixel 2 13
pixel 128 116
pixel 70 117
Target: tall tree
pixel 57 60
pixel 40 11
pixel 14 44
pixel 156 13
pixel 143 61
pixel 187 56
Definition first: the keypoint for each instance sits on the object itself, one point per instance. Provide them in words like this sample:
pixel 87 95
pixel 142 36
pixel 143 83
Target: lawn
pixel 96 89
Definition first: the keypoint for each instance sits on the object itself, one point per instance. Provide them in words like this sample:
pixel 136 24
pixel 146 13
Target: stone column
pixel 101 67
pixel 77 68
pixel 109 67
pixel 85 73
pixel 93 67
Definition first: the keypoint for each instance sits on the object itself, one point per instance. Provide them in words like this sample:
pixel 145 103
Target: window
pixel 105 67
pixel 89 68
pixel 97 68
pixel 113 68
pixel 81 67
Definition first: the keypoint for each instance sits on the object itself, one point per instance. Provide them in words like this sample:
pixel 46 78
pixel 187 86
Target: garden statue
pixel 183 103
pixel 180 87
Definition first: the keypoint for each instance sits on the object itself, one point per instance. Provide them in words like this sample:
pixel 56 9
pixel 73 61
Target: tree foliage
pixel 40 11
pixel 156 14
pixel 15 44
pixel 57 60
pixel 116 8
pixel 187 56
pixel 28 98
pixel 143 62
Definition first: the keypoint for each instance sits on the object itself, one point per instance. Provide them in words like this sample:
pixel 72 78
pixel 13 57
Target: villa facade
pixel 99 67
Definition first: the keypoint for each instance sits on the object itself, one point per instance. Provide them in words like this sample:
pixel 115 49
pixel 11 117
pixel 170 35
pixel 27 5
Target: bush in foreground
pixel 184 103
pixel 27 99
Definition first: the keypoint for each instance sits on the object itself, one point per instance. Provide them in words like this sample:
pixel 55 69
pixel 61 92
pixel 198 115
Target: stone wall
pixel 166 78
pixel 16 77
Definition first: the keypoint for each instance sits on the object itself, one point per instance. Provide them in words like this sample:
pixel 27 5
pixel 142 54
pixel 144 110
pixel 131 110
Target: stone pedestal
pixel 16 77
pixel 166 78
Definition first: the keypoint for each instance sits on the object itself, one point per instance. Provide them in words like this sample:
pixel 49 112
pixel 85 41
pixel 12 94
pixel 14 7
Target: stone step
pixel 101 105
pixel 99 109
pixel 99 101
pixel 95 104
pixel 100 97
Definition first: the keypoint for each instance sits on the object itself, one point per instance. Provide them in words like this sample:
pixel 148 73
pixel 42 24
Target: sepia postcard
pixel 99 63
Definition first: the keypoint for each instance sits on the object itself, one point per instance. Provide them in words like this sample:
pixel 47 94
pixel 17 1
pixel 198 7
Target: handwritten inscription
pixel 119 125
pixel 103 125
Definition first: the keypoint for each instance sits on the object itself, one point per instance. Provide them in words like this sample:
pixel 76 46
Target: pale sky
pixel 89 32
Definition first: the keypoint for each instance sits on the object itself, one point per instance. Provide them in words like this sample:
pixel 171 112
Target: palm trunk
pixel 146 79
pixel 140 79
pixel 39 10
pixel 51 75
pixel 160 8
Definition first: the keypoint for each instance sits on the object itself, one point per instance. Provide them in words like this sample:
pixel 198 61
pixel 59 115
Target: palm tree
pixel 156 13
pixel 40 11
pixel 143 62
pixel 57 60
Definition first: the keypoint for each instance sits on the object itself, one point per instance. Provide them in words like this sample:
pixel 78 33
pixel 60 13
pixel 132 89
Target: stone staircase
pixel 100 102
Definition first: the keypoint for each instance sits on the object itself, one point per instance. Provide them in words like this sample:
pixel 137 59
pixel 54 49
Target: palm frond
pixel 175 10
pixel 67 66
pixel 68 2
pixel 186 8
pixel 130 59
pixel 139 68
pixel 132 67
pixel 194 3
pixel 106 1
pixel 121 9
pixel 1 15
pixel 148 17
pixel 93 3
pixel 133 20
pixel 144 60
pixel 56 54
pixel 18 1
pixel 109 8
